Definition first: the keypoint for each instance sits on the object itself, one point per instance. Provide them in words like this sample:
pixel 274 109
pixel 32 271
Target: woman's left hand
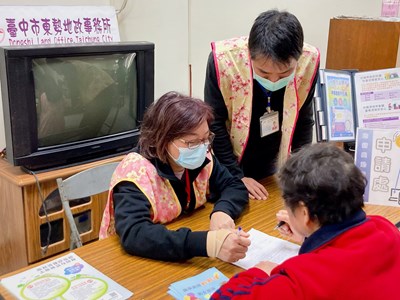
pixel 221 220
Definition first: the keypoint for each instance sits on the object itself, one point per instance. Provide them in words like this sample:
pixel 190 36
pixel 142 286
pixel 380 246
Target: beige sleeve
pixel 215 239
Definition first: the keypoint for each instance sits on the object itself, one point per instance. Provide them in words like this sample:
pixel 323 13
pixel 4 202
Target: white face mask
pixel 273 86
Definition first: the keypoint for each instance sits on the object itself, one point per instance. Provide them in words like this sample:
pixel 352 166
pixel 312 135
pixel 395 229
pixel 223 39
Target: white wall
pixel 213 20
pixel 183 29
pixel 166 24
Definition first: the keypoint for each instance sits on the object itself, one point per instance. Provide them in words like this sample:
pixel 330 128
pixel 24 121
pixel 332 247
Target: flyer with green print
pixel 66 278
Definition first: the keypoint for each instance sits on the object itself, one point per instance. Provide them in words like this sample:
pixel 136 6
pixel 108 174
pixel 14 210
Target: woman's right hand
pixel 234 247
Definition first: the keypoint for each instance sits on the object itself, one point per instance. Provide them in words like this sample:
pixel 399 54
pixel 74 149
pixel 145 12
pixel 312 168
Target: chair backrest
pixel 86 183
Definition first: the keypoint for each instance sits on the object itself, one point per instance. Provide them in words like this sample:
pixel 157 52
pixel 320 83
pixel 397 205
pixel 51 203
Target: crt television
pixel 68 104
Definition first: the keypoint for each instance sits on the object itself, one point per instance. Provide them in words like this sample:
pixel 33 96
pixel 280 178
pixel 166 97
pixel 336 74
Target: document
pixel 67 277
pixel 266 247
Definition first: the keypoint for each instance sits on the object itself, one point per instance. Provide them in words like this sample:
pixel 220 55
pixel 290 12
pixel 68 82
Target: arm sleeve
pixel 256 284
pixel 222 146
pixel 230 192
pixel 140 236
pixel 305 123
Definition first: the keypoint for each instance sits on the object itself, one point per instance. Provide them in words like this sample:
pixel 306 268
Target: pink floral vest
pixel 235 80
pixel 165 205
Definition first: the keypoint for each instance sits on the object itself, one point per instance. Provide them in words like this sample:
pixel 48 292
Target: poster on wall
pixel 378 157
pixel 44 25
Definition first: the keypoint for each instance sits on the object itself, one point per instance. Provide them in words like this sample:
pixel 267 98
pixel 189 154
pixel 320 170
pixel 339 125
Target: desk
pixel 149 279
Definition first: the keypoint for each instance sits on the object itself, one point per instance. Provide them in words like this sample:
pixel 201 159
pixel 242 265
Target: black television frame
pixel 20 119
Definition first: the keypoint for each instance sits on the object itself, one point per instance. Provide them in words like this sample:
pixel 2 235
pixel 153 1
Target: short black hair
pixel 276 35
pixel 325 178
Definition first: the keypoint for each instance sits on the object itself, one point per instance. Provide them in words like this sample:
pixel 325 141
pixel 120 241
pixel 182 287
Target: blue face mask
pixel 191 158
pixel 273 86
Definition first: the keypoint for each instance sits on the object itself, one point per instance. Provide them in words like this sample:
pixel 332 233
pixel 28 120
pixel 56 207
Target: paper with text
pixel 266 247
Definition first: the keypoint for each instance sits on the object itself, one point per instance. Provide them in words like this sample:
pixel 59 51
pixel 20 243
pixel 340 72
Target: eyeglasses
pixel 196 143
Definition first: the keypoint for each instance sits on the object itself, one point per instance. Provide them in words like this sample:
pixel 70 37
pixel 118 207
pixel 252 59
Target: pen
pixel 279 224
pixel 238 231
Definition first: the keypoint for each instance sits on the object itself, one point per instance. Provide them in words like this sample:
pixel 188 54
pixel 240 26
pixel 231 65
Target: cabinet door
pixel 362 44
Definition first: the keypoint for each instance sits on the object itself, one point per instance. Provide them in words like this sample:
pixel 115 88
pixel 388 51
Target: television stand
pixel 23 233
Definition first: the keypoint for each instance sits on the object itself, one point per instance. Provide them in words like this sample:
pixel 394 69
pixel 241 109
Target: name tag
pixel 269 123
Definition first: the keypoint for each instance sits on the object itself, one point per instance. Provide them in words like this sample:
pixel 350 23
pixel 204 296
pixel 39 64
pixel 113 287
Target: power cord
pixel 44 250
pixel 118 11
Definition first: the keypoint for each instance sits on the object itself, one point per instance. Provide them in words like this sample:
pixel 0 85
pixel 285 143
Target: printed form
pixel 267 247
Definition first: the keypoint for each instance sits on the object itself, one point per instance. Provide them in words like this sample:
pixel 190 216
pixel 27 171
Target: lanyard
pixel 187 188
pixel 268 94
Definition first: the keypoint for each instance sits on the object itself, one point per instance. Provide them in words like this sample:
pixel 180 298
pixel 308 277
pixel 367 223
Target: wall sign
pixel 41 25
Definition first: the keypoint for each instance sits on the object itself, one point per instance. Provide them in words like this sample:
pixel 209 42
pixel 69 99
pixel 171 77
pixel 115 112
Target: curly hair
pixel 326 180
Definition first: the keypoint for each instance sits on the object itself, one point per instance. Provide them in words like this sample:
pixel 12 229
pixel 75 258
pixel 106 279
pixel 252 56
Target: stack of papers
pixel 198 287
pixel 266 247
pixel 66 277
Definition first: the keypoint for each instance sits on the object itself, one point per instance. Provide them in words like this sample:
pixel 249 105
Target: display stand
pixel 24 229
pixel 362 44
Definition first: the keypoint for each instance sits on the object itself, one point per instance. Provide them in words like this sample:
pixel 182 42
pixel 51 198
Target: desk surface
pixel 150 279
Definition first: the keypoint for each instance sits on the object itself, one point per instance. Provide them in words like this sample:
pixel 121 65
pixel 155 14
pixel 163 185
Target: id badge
pixel 269 123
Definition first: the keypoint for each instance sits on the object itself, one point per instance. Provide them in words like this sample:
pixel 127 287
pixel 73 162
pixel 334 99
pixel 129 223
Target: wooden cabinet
pixel 363 44
pixel 24 225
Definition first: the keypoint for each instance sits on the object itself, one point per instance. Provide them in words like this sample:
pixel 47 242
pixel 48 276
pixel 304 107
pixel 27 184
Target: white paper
pixel 67 277
pixel 267 247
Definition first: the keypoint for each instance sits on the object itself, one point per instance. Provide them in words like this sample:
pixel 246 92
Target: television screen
pixel 69 104
pixel 79 98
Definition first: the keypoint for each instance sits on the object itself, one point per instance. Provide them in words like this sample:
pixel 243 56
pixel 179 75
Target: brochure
pixel 346 100
pixel 198 287
pixel 67 277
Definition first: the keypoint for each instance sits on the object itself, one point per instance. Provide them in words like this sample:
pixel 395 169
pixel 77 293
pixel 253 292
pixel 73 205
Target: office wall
pixel 212 20
pixel 183 29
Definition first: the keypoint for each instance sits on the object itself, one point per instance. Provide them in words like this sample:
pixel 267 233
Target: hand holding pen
pixel 280 224
pixel 285 228
pixel 283 223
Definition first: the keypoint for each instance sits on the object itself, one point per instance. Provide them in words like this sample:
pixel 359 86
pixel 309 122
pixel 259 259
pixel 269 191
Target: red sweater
pixel 361 261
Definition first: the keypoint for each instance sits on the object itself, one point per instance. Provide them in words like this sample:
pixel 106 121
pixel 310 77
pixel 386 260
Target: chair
pixel 86 183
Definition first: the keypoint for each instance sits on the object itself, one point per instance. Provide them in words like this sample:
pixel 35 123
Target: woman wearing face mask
pixel 255 82
pixel 173 173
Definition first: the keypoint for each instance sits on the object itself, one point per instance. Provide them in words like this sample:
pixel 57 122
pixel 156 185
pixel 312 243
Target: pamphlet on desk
pixel 67 277
pixel 346 100
pixel 266 247
pixel 198 287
